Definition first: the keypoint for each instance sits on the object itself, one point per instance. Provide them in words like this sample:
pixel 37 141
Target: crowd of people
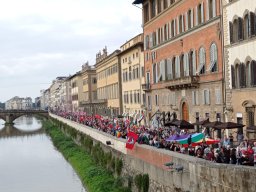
pixel 221 152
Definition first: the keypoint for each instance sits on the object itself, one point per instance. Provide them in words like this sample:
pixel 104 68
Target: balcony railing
pixel 184 82
pixel 146 87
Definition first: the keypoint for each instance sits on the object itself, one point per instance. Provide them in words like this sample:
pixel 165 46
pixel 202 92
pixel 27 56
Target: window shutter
pixel 186 21
pixel 252 21
pixel 203 97
pixel 178 26
pixel 157 40
pixel 194 62
pixel 202 12
pixel 163 34
pixel 192 18
pixel 182 23
pixel 253 73
pixel 208 97
pixel 217 96
pixel 197 97
pixel 242 75
pixel 240 28
pixel 214 8
pixel 145 42
pixel 231 32
pixel 169 69
pixel 207 10
pixel 187 65
pixel 151 40
pixel 170 29
pixel 178 67
pixel 196 15
pixel 193 98
pixel 174 27
pixel 233 77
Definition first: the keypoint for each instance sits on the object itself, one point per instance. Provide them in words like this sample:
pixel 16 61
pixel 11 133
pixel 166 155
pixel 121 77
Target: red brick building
pixel 183 57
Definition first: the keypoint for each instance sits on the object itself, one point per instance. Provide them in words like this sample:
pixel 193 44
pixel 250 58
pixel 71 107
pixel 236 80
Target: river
pixel 30 163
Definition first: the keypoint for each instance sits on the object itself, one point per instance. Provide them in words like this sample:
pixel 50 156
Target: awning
pixel 137 2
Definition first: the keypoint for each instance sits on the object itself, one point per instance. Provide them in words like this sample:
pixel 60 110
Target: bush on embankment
pixel 94 167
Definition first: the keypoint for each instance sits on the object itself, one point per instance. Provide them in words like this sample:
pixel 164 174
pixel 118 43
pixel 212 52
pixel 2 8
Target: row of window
pixel 132 74
pixel 242 28
pixel 185 65
pixel 131 97
pixel 129 59
pixel 107 72
pixel 108 92
pixel 243 75
pixel 180 24
pixel 157 6
pixel 94 81
pixel 170 99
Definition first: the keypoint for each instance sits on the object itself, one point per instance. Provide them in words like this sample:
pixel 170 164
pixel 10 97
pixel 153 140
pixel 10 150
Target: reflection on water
pixel 31 164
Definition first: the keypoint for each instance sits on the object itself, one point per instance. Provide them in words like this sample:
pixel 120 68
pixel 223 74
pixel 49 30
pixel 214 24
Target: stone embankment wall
pixel 198 175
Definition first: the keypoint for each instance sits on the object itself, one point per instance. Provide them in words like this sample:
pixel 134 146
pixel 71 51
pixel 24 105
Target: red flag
pixel 132 138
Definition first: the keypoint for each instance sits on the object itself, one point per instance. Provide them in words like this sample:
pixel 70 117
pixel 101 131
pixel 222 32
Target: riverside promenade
pixel 197 174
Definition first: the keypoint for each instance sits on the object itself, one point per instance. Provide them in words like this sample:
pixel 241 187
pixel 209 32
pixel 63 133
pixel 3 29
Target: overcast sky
pixel 43 39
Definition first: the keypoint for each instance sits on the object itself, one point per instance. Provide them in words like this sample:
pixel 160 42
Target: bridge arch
pixel 10 115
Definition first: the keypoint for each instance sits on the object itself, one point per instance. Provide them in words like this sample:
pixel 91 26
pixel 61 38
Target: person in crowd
pixel 223 152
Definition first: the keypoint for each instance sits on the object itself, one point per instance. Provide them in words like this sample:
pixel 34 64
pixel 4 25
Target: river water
pixel 30 163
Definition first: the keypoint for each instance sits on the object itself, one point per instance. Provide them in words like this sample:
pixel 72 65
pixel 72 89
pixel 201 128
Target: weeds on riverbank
pixel 94 167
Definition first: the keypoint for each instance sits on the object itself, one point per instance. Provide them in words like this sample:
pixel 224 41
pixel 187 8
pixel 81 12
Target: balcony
pixel 183 83
pixel 146 87
pixel 99 101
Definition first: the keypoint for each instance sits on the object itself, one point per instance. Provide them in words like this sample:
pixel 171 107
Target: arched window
pixel 246 27
pixel 248 74
pixel 201 69
pixel 213 58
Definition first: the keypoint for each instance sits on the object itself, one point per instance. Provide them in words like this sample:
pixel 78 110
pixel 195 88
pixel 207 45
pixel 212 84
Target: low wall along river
pixel 198 175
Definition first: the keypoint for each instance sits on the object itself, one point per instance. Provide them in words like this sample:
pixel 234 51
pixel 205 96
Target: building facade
pixel 89 88
pixel 44 99
pixel 17 103
pixel 54 93
pixel 239 18
pixel 133 77
pixel 183 58
pixel 77 95
pixel 109 88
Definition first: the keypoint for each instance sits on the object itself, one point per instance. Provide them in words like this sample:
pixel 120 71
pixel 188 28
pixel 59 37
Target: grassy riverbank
pixel 95 177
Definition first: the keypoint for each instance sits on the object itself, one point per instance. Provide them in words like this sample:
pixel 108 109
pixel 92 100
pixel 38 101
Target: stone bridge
pixel 10 115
